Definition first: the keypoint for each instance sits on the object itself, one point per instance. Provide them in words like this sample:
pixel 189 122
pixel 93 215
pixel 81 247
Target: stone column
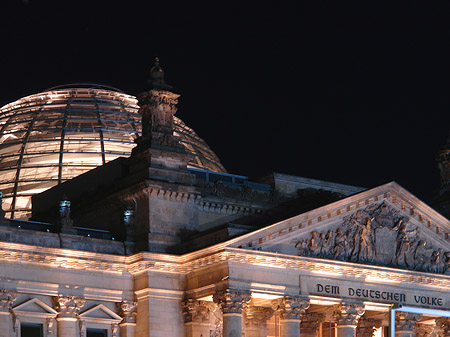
pixel 255 321
pixel 67 319
pixel 405 323
pixel 7 297
pixel 442 327
pixel 310 323
pixel 291 309
pixel 231 302
pixel 366 327
pixel 347 315
pixel 128 324
pixel 197 315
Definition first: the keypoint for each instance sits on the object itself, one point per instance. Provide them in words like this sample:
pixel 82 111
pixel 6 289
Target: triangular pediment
pixel 35 307
pixel 385 226
pixel 100 313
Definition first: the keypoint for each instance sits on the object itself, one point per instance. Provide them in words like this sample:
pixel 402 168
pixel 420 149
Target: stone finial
pixel 128 311
pixel 291 307
pixel 348 313
pixel 7 298
pixel 232 301
pixel 311 322
pixel 366 327
pixel 257 316
pixel 156 81
pixel 64 215
pixel 68 306
pixel 197 311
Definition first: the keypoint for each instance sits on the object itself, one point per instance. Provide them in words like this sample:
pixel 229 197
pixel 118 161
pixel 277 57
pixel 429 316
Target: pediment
pixel 385 226
pixel 100 313
pixel 35 307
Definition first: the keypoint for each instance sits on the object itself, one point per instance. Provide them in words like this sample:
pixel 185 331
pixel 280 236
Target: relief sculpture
pixel 377 235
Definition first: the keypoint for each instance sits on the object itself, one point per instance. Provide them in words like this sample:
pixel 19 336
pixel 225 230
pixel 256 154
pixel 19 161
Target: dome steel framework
pixel 50 137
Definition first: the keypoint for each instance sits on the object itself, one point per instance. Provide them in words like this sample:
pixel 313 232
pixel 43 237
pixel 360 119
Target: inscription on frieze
pixel 371 293
pixel 379 235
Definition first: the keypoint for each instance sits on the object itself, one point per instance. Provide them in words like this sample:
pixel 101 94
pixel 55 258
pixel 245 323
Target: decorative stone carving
pixel 218 322
pixel 405 321
pixel 7 298
pixel 114 330
pixel 291 307
pixel 197 311
pixel 366 327
pixel 232 301
pixel 442 327
pixel 68 306
pixel 257 316
pixel 50 325
pixel 348 313
pixel 128 311
pixel 311 322
pixel 423 330
pixel 379 235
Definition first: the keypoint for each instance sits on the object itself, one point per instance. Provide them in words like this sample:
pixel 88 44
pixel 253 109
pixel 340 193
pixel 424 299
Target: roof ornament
pixel 157 77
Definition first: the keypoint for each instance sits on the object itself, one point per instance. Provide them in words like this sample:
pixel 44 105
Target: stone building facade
pixel 146 246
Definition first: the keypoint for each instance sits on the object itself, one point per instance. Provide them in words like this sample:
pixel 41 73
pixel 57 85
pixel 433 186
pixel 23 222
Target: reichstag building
pixel 118 220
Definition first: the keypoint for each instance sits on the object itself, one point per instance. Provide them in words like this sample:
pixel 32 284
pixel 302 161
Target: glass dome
pixel 50 137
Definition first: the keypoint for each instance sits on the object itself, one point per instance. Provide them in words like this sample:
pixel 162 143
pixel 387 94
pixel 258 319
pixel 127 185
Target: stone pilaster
pixel 67 319
pixel 128 312
pixel 366 327
pixel 310 323
pixel 347 316
pixel 231 303
pixel 290 309
pixel 442 327
pixel 405 324
pixel 7 321
pixel 255 321
pixel 197 317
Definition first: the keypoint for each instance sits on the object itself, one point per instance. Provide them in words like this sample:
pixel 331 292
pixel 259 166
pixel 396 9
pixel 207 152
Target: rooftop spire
pixel 156 81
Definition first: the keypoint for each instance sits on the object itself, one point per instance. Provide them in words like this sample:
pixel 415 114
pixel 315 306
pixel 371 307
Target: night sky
pixel 354 92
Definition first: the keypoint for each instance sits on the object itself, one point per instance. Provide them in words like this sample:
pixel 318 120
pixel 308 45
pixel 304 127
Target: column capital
pixel 7 298
pixel 128 311
pixel 68 306
pixel 311 322
pixel 292 307
pixel 348 313
pixel 197 311
pixel 232 301
pixel 423 330
pixel 405 321
pixel 367 326
pixel 257 316
pixel 443 326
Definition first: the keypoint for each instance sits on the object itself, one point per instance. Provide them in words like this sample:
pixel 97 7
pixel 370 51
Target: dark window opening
pixel 31 330
pixel 96 333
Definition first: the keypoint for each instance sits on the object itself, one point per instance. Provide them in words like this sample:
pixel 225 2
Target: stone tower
pixel 444 167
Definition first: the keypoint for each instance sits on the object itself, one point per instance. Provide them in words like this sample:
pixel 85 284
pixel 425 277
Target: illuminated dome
pixel 53 136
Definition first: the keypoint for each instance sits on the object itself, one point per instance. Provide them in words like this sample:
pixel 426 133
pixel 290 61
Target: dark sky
pixel 354 92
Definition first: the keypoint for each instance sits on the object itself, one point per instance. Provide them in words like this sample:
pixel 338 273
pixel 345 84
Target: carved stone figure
pixel 366 242
pixel 340 245
pixel 403 242
pixel 434 262
pixel 420 255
